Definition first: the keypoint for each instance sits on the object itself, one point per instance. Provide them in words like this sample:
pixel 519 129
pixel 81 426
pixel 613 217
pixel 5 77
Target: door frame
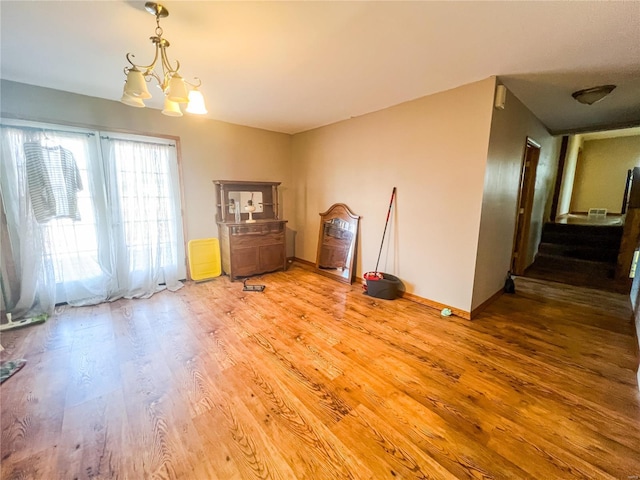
pixel 524 206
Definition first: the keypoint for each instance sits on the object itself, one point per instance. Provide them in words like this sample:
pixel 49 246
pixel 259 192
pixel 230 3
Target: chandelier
pixel 173 86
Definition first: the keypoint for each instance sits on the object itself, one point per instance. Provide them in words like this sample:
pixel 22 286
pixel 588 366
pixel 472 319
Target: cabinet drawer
pixel 242 241
pixel 259 229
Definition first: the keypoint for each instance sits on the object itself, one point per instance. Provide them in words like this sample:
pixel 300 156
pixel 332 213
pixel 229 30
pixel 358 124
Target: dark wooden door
pixel 525 206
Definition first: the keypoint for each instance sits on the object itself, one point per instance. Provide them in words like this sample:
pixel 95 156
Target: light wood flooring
pixel 314 380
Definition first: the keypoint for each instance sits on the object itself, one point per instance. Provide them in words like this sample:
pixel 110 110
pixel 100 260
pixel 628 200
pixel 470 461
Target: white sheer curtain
pixel 126 239
pixel 49 264
pixel 147 246
pixel 35 284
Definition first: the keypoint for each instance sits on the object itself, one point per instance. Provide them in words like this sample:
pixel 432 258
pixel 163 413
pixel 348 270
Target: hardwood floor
pixel 312 379
pixel 581 273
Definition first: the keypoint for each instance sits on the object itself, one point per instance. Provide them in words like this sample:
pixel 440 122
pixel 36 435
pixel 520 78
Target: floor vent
pixel 597 212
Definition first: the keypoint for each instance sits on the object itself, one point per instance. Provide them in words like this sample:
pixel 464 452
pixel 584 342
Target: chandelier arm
pixel 194 85
pixel 166 63
pixel 147 68
pixel 151 73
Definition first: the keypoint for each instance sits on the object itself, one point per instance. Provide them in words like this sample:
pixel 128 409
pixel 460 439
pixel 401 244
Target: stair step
pixel 583 252
pixel 587 240
pixel 580 254
pixel 578 229
pixel 595 242
pixel 551 263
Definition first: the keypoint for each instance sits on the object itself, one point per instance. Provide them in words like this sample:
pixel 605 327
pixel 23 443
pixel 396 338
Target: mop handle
pixel 393 194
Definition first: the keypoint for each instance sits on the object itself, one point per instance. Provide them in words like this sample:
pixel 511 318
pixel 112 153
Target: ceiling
pixel 293 66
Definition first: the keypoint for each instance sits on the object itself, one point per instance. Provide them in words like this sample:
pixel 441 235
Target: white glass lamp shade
pixel 171 109
pixel 177 89
pixel 136 85
pixel 196 102
pixel 132 101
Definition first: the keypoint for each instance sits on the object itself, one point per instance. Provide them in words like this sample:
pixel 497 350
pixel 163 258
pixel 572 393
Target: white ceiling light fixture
pixel 174 87
pixel 589 96
pixel 131 101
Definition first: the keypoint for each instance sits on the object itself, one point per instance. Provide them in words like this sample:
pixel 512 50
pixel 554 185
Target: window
pixel 101 211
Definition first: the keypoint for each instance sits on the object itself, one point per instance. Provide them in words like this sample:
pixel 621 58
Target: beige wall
pixel 569 173
pixel 509 130
pixel 601 174
pixel 433 150
pixel 210 150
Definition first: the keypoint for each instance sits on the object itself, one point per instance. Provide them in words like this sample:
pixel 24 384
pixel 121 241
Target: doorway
pixel 525 206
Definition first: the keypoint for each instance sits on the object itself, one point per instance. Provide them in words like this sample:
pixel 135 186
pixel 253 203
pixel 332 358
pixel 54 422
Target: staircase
pixel 597 243
pixel 583 255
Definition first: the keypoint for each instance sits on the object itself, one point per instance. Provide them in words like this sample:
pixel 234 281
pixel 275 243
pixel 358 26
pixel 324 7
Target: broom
pixel 18 323
pixel 23 322
pixel 375 275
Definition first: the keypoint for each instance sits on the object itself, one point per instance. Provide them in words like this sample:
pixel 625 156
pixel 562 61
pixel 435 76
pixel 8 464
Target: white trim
pixel 9 122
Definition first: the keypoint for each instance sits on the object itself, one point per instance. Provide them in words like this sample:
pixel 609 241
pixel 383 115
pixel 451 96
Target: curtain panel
pixel 90 217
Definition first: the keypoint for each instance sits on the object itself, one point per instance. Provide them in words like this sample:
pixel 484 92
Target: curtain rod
pixel 73 132
pixel 104 137
pixel 45 130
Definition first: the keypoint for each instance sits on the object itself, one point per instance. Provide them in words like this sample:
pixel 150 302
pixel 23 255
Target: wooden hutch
pixel 249 248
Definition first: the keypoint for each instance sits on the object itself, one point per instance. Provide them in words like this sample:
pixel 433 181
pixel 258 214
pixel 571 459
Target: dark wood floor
pixel 582 273
pixel 312 379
